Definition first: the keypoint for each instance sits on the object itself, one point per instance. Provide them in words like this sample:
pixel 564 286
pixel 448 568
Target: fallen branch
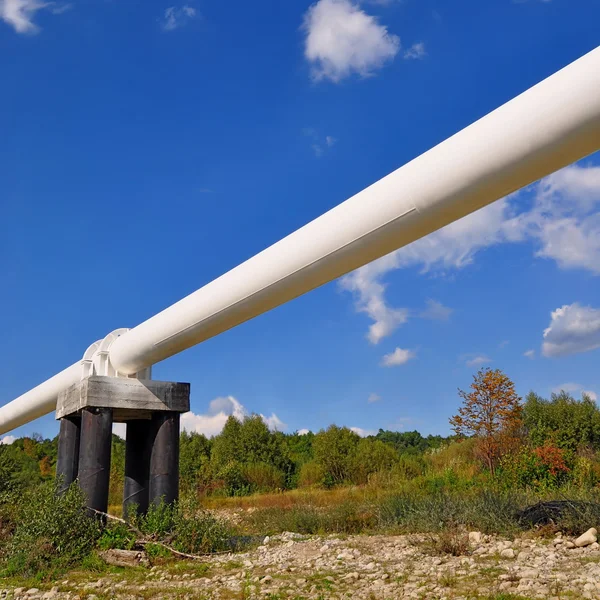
pixel 144 541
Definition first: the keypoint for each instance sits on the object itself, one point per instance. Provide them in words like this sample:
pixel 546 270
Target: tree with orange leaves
pixel 491 412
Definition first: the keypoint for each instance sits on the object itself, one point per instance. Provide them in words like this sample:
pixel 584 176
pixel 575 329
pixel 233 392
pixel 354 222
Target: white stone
pixel 475 537
pixel 507 553
pixel 587 538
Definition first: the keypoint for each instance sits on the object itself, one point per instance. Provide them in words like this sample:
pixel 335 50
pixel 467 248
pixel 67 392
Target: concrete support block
pixel 94 456
pixel 130 399
pixel 67 463
pixel 164 458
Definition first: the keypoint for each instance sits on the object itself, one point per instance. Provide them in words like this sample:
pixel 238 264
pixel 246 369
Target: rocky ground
pixel 360 567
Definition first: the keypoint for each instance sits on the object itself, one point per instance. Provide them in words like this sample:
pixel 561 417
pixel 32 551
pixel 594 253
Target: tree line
pixel 498 437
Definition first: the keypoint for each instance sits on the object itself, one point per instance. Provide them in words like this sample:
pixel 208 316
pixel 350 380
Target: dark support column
pixel 164 458
pixel 94 456
pixel 137 466
pixel 67 463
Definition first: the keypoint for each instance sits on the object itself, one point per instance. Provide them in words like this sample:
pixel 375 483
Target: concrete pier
pixel 151 410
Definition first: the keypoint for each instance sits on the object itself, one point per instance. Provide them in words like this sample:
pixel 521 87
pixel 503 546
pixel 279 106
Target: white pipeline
pixel 550 126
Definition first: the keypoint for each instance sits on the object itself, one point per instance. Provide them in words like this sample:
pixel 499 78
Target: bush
pixel 116 535
pixel 451 541
pixel 262 477
pixel 234 482
pixel 311 474
pixel 53 533
pixel 186 528
pixel 541 468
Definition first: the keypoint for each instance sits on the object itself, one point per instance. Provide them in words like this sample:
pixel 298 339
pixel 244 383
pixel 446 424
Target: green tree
pixel 334 450
pixel 194 459
pixel 227 446
pixel 372 456
pixel 564 421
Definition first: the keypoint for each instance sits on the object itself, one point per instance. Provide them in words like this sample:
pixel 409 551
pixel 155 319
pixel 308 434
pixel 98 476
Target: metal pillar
pixel 164 458
pixel 137 467
pixel 94 456
pixel 67 463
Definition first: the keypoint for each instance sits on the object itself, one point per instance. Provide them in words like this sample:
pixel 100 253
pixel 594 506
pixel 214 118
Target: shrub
pixel 234 482
pixel 116 535
pixel 311 474
pixel 186 527
pixel 53 533
pixel 451 541
pixel 543 468
pixel 262 477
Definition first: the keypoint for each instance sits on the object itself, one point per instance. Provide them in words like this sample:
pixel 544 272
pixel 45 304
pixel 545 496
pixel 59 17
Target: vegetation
pixel 506 454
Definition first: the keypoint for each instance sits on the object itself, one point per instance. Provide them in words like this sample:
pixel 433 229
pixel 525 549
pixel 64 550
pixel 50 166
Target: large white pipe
pixel 549 126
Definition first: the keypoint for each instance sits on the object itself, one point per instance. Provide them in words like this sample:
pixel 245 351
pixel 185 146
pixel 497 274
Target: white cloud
pixel 373 397
pixel 369 292
pixel 476 360
pixel 274 423
pixel 398 357
pixel 120 429
pixel 303 431
pixel 20 13
pixel 558 220
pixel 176 17
pixel 363 432
pixel 573 329
pixel 341 39
pixel 575 388
pixel 219 410
pixel 529 354
pixel 436 311
pixel 415 52
pixel 319 144
pixel 7 440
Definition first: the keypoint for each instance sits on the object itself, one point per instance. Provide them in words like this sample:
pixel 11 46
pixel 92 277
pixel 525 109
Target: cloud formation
pixel 342 39
pixel 529 354
pixel 415 52
pixel 477 360
pixel 219 410
pixel 558 216
pixel 20 13
pixel 363 432
pixel 573 329
pixel 575 388
pixel 399 356
pixel 319 143
pixel 7 440
pixel 436 311
pixel 373 397
pixel 176 17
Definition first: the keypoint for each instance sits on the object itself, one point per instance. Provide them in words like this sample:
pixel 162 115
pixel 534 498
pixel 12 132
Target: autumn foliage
pixel 491 412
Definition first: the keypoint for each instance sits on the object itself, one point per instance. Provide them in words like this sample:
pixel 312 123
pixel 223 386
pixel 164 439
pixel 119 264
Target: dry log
pixel 124 558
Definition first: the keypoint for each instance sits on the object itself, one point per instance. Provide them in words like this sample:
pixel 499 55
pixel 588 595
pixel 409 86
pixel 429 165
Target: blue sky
pixel 148 147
